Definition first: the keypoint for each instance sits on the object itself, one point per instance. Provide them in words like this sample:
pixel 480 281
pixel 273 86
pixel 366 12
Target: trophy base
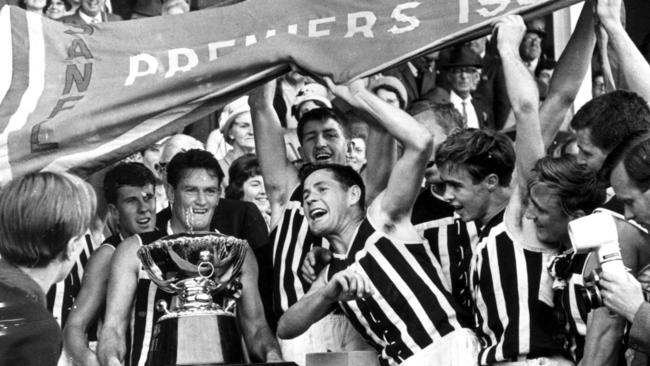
pixel 196 338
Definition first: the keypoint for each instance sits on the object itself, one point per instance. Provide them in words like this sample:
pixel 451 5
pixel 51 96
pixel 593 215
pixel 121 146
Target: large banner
pixel 80 98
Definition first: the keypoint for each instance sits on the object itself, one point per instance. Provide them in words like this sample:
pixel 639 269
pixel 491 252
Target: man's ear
pixel 354 195
pixel 75 246
pixel 114 212
pixel 491 182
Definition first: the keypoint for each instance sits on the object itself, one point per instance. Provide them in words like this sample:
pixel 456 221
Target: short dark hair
pixel 481 152
pixel 40 213
pixel 126 174
pixel 321 115
pixel 634 152
pixel 612 117
pixel 577 187
pixel 192 159
pixel 343 174
pixel 244 167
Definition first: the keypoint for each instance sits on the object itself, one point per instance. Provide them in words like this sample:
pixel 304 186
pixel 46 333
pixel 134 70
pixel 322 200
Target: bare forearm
pixel 568 75
pixel 111 347
pixel 76 345
pixel 264 345
pixel 270 149
pixel 411 134
pixel 636 71
pixel 603 339
pixel 301 315
pixel 382 153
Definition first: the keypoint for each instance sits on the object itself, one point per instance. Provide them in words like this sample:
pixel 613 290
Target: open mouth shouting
pixel 323 155
pixel 317 213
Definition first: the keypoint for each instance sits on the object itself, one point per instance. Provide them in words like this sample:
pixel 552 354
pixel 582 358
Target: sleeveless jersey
pixel 452 242
pixel 410 308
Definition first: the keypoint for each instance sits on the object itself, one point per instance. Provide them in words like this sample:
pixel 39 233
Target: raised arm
pixel 405 179
pixel 259 338
pixel 87 306
pixel 568 74
pixel 523 95
pixel 280 176
pixel 635 69
pixel 122 284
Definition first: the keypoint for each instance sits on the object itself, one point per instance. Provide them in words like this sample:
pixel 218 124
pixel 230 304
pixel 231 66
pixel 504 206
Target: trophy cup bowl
pixel 202 269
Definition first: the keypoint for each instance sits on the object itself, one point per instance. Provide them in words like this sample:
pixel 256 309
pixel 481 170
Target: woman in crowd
pixel 247 184
pixel 56 9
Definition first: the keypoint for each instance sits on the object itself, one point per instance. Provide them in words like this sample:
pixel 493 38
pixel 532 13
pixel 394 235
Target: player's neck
pixel 341 240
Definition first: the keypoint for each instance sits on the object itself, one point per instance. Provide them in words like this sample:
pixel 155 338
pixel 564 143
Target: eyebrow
pixel 536 204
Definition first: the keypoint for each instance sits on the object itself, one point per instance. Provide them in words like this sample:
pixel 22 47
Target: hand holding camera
pixel 621 293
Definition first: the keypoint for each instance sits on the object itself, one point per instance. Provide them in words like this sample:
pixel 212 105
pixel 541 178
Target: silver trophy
pixel 202 269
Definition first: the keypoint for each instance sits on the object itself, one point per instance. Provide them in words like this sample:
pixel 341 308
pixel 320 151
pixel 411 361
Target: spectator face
pixel 462 79
pixel 56 10
pixel 254 192
pixel 531 46
pixel 92 7
pixel 195 198
pixel 35 5
pixel 135 209
pixel 151 158
pixel 637 203
pixel 598 86
pixel 324 202
pixel 356 156
pixel 324 142
pixel 588 153
pixel 545 211
pixel 388 97
pixel 470 201
pixel 241 132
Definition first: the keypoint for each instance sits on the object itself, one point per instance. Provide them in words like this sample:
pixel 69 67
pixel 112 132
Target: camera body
pixel 597 233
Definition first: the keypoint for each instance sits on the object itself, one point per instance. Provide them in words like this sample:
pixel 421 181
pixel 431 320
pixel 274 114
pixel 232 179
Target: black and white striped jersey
pixel 513 297
pixel 410 308
pixel 452 242
pixel 61 296
pixel 292 241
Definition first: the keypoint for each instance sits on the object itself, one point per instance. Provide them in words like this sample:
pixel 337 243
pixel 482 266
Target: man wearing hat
pixel 463 72
pixel 309 97
pixel 530 48
pixel 391 90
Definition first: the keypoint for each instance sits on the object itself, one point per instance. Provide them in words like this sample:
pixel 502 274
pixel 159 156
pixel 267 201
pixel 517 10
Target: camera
pixel 596 233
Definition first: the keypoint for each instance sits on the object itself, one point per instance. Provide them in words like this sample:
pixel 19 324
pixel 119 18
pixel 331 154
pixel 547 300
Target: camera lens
pixel 590 295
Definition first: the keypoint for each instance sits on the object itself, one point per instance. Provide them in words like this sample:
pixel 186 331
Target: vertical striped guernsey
pixel 512 320
pixel 61 296
pixel 451 240
pixel 410 308
pixel 291 240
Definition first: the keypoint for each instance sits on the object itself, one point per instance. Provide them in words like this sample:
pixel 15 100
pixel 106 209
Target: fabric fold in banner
pixel 80 98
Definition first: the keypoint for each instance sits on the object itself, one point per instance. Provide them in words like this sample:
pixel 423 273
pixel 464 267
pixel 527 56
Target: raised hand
pixel 262 95
pixel 509 31
pixel 609 12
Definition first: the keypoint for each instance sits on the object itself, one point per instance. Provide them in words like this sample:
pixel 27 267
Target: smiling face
pixel 135 209
pixel 56 9
pixel 254 191
pixel 636 202
pixel 588 153
pixel 326 202
pixel 545 210
pixel 324 142
pixel 194 199
pixel 470 200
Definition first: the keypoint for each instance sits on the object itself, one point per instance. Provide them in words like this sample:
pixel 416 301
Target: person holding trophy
pixel 193 188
